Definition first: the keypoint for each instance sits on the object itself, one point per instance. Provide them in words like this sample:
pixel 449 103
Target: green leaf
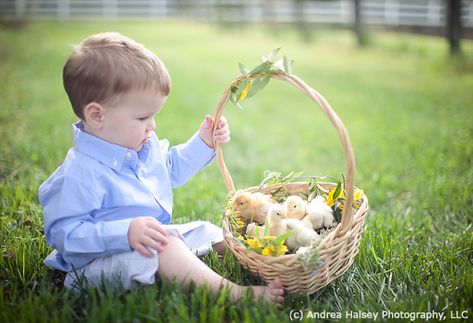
pixel 271 55
pixel 257 231
pixel 234 87
pixel 311 196
pixel 233 98
pixel 262 68
pixel 260 83
pixel 287 65
pixel 282 237
pixel 266 230
pixel 244 70
pixel 268 176
pixel 240 89
pixel 338 190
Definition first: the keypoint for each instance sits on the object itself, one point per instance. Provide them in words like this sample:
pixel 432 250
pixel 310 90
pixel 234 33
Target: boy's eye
pixel 143 118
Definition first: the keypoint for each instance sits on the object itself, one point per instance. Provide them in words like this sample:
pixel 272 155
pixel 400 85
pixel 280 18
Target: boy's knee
pixel 173 239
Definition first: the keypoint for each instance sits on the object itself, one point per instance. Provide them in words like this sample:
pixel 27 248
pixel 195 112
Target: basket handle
pixel 347 216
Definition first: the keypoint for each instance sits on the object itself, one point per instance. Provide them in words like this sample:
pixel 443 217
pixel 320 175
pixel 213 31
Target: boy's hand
pixel 222 134
pixel 146 232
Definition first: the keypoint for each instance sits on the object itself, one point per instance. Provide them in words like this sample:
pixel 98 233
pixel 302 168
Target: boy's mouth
pixel 145 141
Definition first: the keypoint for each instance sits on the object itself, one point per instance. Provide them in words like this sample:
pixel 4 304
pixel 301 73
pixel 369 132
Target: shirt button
pixel 115 163
pixel 128 154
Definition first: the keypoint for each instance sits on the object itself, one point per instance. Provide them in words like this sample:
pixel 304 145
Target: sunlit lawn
pixel 407 106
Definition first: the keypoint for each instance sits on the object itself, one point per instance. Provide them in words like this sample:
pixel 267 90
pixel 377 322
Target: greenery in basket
pixel 263 243
pixel 334 198
pixel 269 245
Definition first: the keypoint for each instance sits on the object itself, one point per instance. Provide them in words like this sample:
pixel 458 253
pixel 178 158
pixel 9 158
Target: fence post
pixel 20 9
pixel 358 23
pixel 454 28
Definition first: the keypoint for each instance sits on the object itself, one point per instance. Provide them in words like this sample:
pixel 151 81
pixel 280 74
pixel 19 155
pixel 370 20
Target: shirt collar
pixel 114 156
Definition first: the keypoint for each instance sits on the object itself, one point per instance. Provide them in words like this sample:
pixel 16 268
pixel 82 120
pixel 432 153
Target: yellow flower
pixel 240 223
pixel 244 93
pixel 267 251
pixel 253 243
pixel 269 238
pixel 358 195
pixel 274 250
pixel 330 201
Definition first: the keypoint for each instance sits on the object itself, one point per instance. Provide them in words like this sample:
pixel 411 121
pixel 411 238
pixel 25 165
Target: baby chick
pixel 320 214
pixel 296 207
pixel 276 219
pixel 252 206
pixel 307 222
pixel 254 230
pixel 301 237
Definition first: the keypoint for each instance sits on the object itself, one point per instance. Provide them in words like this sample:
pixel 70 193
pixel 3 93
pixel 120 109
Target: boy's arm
pixel 186 160
pixel 70 226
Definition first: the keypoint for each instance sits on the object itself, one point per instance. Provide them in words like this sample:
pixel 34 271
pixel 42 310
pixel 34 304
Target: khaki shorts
pixel 132 268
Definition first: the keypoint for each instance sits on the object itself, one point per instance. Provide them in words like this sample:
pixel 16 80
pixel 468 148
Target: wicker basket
pixel 337 250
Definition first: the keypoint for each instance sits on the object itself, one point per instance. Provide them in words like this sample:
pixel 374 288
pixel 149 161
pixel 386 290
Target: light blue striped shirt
pixel 90 200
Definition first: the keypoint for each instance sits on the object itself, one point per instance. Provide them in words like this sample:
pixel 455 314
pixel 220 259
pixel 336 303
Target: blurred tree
pixel 454 26
pixel 358 27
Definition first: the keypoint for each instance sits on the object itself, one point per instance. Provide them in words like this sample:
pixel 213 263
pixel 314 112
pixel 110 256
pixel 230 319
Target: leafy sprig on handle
pixel 258 77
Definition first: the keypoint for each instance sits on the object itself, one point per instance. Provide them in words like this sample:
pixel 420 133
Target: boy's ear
pixel 93 115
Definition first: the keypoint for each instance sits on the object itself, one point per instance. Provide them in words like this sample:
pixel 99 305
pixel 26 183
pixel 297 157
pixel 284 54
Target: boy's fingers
pixel 158 236
pixel 156 226
pixel 151 243
pixel 141 249
pixel 222 140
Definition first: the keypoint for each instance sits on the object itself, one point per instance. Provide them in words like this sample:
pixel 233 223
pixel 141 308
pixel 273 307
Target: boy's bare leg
pixel 177 261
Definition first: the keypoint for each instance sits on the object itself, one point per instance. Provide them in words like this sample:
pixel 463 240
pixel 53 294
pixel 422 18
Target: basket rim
pixel 322 103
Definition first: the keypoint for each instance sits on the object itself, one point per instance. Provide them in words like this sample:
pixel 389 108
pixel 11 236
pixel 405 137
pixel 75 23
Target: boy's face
pixel 128 120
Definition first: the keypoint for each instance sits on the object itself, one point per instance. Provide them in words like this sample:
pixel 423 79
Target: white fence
pixel 427 13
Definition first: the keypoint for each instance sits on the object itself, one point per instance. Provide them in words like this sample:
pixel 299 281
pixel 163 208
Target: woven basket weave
pixel 338 249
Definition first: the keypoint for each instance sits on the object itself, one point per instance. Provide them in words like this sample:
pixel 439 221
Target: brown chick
pixel 252 207
pixel 296 207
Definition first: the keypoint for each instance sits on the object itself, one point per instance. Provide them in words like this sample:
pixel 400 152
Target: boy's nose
pixel 152 125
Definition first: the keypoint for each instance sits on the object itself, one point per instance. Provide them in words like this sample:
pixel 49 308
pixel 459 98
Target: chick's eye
pixel 295 206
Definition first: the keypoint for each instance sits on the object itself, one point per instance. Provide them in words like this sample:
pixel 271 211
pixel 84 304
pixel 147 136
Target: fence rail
pixel 430 13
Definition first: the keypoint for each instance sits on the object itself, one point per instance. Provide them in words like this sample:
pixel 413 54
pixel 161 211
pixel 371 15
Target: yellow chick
pixel 252 206
pixel 276 219
pixel 254 230
pixel 296 207
pixel 320 214
pixel 301 237
pixel 306 221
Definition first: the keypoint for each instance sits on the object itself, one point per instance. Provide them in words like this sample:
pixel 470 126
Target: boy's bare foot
pixel 273 293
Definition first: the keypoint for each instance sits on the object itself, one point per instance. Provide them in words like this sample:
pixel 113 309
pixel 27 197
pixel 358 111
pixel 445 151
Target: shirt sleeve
pixel 185 160
pixel 69 204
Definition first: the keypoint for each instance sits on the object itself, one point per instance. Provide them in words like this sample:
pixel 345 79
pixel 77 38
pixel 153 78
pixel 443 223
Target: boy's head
pixel 106 65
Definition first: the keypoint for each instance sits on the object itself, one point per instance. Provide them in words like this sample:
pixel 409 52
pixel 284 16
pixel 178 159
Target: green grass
pixel 407 106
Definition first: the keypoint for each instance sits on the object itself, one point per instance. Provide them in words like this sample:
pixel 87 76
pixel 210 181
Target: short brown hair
pixel 107 64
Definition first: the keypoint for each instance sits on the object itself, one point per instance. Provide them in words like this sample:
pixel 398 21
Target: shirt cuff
pixel 115 235
pixel 197 150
